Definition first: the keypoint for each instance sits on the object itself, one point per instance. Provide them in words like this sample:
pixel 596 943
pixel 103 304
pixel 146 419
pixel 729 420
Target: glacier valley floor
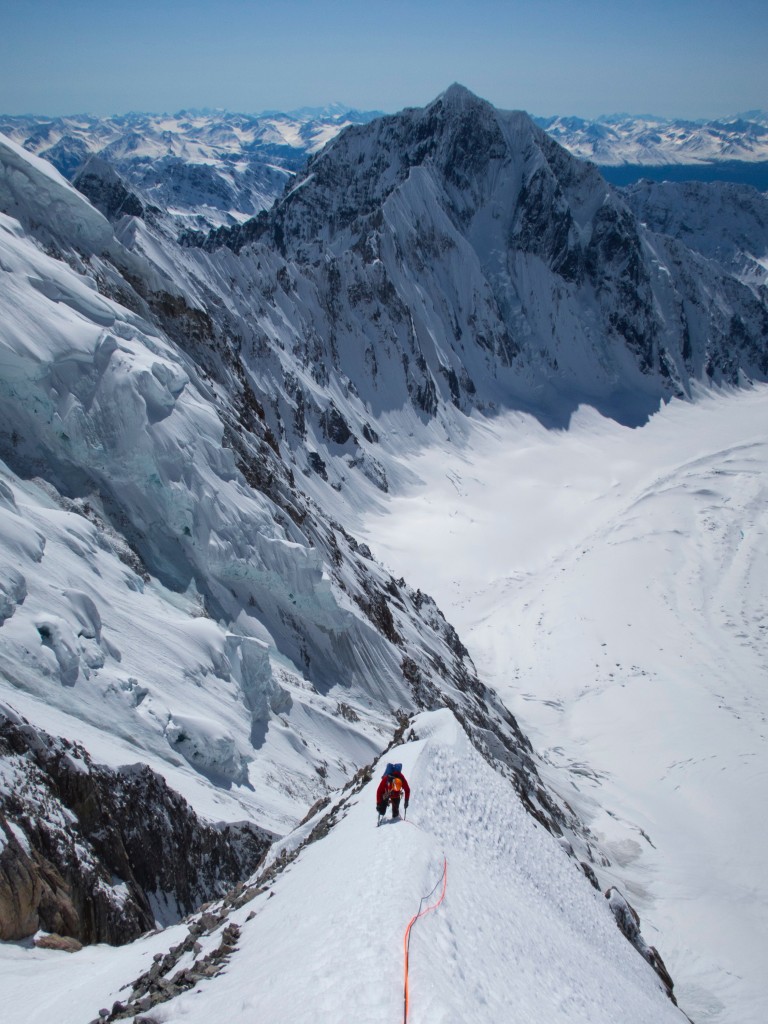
pixel 611 584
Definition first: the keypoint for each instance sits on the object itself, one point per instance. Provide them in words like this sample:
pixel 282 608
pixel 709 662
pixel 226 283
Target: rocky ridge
pixel 213 933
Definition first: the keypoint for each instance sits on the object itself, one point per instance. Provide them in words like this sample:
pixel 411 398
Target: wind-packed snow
pixel 611 584
pixel 40 985
pixel 520 937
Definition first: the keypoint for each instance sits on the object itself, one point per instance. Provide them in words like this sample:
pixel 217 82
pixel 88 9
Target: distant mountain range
pixel 212 167
pixel 205 167
pixel 627 148
pixel 624 139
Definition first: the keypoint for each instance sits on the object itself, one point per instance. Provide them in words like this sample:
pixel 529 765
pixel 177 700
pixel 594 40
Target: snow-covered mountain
pixel 202 167
pixel 210 168
pixel 629 148
pixel 208 570
pixel 725 222
pixel 191 434
pixel 169 593
pixel 455 255
pixel 626 139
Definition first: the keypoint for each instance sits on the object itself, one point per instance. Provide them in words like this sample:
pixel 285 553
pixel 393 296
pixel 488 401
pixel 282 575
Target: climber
pixel 393 784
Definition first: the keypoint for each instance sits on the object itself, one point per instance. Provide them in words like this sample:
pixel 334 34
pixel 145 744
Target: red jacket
pixel 385 787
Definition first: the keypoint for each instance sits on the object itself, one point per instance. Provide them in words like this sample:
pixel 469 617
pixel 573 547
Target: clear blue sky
pixel 688 58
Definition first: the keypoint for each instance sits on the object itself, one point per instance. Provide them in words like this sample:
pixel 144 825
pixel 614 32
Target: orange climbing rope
pixel 411 923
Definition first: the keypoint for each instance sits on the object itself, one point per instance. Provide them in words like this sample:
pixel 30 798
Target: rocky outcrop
pixel 63 943
pixel 99 854
pixel 165 979
pixel 628 920
pixel 102 185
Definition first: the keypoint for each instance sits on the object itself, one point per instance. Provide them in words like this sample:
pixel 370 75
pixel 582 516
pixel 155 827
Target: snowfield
pixel 611 584
pixel 520 937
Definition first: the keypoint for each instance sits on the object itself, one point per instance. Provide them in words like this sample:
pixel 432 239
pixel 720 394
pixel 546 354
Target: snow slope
pixel 132 663
pixel 31 188
pixel 521 936
pixel 611 583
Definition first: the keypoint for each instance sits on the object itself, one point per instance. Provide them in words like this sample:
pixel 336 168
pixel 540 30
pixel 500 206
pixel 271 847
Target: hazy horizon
pixel 344 106
pixel 695 59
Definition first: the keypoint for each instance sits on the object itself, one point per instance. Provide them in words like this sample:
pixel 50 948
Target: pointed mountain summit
pixel 460 95
pixel 458 255
pixel 455 139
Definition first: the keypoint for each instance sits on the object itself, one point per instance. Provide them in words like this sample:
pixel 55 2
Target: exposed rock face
pixel 95 853
pixel 103 186
pixel 628 921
